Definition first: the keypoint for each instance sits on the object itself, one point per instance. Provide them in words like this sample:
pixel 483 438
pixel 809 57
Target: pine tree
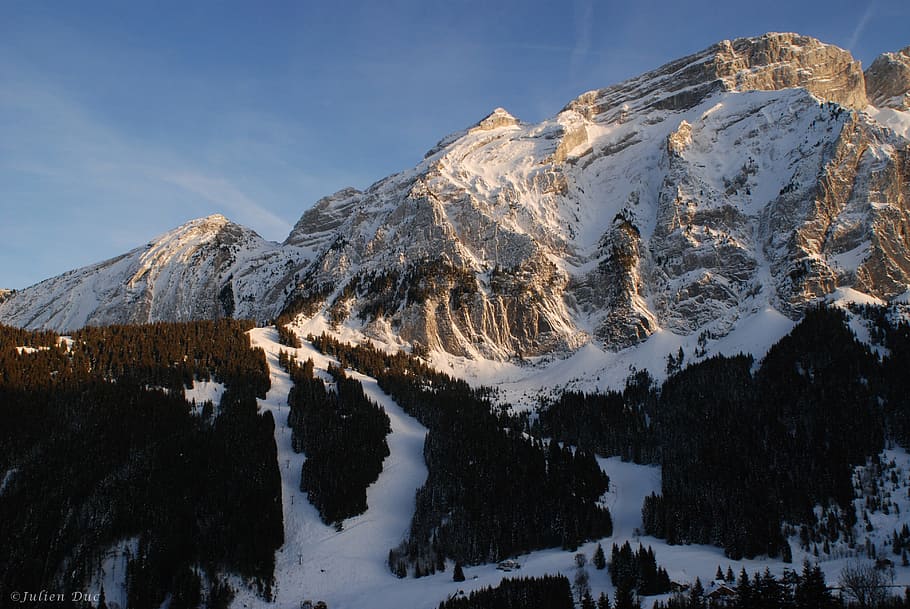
pixel 599 560
pixel 786 553
pixel 811 590
pixel 697 595
pixel 625 599
pixel 743 590
pixel 603 601
pixel 587 601
pixel 458 575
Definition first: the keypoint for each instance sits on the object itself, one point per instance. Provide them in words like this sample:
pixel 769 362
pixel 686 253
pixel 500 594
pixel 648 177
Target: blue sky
pixel 122 120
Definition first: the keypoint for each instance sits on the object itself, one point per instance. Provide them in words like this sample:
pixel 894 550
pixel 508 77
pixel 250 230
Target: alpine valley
pixel 675 315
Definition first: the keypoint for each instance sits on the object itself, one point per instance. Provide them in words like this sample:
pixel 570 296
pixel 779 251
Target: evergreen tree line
pixel 610 424
pixel 742 453
pixel 637 570
pixel 894 383
pixel 744 450
pixel 552 592
pixel 288 337
pixel 173 355
pixel 343 434
pixel 806 590
pixel 89 459
pixel 11 337
pixel 491 491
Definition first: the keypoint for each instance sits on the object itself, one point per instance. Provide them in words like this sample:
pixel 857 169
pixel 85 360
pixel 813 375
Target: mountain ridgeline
pixel 758 173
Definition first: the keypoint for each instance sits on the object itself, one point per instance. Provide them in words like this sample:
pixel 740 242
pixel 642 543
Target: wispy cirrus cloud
pixel 224 194
pixel 861 26
pixel 84 188
pixel 584 23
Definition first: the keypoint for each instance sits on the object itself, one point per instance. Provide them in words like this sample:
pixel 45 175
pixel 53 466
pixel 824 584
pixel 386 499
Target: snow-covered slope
pixel 207 268
pixel 737 179
pixel 748 178
pixel 348 568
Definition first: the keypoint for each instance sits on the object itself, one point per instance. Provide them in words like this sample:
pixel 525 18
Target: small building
pixel 720 593
pixel 678 587
pixel 508 565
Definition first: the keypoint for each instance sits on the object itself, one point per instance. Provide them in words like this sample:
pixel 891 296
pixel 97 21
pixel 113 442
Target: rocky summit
pixel 759 173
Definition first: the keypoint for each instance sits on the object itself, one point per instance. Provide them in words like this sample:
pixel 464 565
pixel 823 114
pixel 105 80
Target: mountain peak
pixel 888 80
pixel 210 222
pixel 495 119
pixel 687 199
pixel 770 62
pixel 317 223
pixel 778 60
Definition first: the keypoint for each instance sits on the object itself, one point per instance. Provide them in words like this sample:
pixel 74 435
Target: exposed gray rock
pixel 888 80
pixel 766 63
pixel 780 61
pixel 721 184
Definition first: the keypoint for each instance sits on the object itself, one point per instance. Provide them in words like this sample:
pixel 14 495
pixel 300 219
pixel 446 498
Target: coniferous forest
pixel 491 492
pixel 746 447
pixel 101 447
pixel 99 442
pixel 637 570
pixel 343 434
pixel 552 592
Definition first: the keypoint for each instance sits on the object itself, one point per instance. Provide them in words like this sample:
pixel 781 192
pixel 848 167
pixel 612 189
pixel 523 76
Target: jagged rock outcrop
pixel 496 119
pixel 612 293
pixel 771 62
pixel 781 61
pixel 736 179
pixel 888 80
pixel 320 221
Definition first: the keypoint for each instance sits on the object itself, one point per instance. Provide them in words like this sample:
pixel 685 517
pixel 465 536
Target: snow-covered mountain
pixel 191 272
pixel 758 174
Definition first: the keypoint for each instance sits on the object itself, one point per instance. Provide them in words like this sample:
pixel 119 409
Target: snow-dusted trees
pixel 343 434
pixel 741 453
pixel 102 453
pixel 637 570
pixel 491 492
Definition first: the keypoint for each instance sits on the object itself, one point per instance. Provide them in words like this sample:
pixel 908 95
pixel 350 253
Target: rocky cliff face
pixel 740 178
pixel 768 63
pixel 888 80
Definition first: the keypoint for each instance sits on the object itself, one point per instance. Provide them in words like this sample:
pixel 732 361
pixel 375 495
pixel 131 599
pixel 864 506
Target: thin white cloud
pixel 229 197
pixel 584 22
pixel 861 26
